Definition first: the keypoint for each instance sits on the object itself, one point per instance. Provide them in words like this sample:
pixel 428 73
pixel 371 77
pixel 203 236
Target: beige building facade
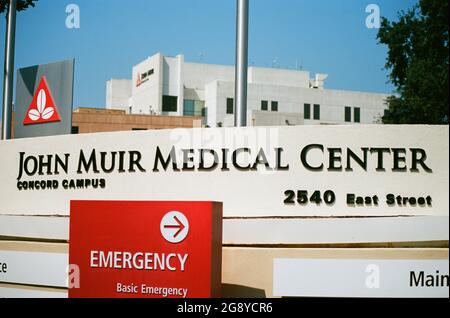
pixel 90 120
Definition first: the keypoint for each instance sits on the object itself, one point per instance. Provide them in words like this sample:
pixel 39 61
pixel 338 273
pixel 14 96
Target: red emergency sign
pixel 146 248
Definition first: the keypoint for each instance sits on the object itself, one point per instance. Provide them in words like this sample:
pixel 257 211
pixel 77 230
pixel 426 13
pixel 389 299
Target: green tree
pixel 21 4
pixel 418 61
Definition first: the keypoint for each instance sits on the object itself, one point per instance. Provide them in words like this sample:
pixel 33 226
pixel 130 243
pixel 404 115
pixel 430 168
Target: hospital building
pixel 170 86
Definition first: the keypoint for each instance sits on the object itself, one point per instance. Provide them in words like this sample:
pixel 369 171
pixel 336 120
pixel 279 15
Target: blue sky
pixel 325 36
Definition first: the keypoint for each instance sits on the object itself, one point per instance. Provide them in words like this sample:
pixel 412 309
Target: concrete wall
pixel 216 102
pixel 211 99
pixel 197 75
pixel 291 100
pixel 279 77
pixel 173 82
pixel 98 120
pixel 118 94
pixel 148 95
pixel 263 118
pixel 333 103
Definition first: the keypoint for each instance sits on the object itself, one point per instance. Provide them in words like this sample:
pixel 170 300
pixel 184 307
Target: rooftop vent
pixel 318 81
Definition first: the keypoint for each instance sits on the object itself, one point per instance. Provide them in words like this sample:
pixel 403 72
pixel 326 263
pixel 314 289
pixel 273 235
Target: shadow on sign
pixel 29 78
pixel 239 291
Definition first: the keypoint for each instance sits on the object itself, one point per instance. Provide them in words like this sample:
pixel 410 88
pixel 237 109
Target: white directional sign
pixel 174 227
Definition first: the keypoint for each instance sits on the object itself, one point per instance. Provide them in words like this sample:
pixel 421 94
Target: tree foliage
pixel 418 58
pixel 21 4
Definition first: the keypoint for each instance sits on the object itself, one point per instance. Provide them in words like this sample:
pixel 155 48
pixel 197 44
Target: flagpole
pixel 8 78
pixel 240 112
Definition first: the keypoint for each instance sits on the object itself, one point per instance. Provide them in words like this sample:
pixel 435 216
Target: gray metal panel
pixel 60 77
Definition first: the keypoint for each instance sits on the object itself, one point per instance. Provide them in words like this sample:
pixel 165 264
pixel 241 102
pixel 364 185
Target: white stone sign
pixel 256 172
pixel 361 278
pixel 34 268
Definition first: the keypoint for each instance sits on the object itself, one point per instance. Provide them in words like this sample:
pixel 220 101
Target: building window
pixel 137 129
pixel 199 105
pixel 230 106
pixel 169 103
pixel 188 107
pixel 316 111
pixel 264 105
pixel 75 130
pixel 274 106
pixel 357 115
pixel 307 111
pixel 193 108
pixel 348 114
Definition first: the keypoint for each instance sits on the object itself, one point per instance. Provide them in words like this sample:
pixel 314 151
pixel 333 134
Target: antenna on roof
pixel 298 66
